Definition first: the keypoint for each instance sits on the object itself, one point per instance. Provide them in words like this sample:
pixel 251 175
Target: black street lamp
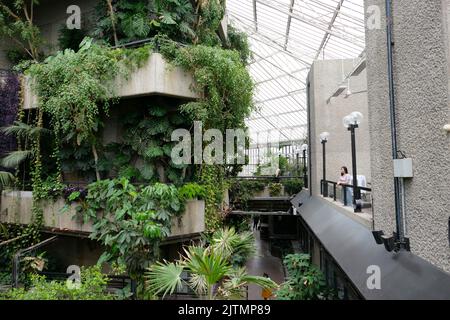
pixel 305 176
pixel 351 122
pixel 324 139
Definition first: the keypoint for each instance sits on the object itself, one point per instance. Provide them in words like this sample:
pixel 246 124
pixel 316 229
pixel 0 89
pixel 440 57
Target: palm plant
pixel 210 269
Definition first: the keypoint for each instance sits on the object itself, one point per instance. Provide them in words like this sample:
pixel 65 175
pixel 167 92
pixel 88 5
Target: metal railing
pixel 27 251
pixel 344 193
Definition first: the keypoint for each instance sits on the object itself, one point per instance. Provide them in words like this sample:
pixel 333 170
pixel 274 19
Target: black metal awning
pixel 404 276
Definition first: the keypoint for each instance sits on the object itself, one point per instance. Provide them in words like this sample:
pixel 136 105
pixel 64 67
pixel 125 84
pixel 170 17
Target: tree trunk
pixel 113 21
pixel 94 152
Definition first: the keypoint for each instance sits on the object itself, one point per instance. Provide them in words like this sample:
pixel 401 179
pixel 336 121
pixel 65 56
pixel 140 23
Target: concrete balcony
pixel 155 77
pixel 16 208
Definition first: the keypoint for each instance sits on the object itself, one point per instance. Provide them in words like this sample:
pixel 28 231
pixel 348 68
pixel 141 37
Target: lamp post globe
pixel 324 136
pixel 351 122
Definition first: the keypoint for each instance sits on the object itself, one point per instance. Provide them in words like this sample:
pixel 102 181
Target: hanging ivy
pixel 222 78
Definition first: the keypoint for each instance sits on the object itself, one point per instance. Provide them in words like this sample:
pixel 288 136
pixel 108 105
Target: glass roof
pixel 285 37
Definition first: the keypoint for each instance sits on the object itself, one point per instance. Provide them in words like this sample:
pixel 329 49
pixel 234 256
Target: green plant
pixel 70 38
pixel 147 137
pixel 123 21
pixel 292 186
pixel 191 191
pixel 243 190
pixel 92 287
pixel 275 189
pixel 240 223
pixel 6 179
pixel 16 23
pixel 211 178
pixel 238 247
pixel 304 282
pixel 224 80
pixel 210 274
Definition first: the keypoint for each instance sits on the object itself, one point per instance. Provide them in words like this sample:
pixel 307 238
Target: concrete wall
pixel 155 77
pixel 324 78
pixel 16 208
pixel 421 75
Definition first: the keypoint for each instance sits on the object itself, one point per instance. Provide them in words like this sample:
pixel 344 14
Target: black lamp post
pixel 324 139
pixel 351 122
pixel 305 176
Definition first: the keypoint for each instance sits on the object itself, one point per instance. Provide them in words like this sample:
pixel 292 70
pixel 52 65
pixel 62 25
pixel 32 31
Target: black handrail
pixel 326 183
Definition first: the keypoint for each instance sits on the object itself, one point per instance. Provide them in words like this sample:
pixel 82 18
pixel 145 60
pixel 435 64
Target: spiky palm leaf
pixel 23 130
pixel 206 263
pixel 164 278
pixel 15 158
pixel 234 285
pixel 228 243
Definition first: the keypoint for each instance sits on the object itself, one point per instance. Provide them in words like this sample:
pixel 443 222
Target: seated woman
pixel 346 179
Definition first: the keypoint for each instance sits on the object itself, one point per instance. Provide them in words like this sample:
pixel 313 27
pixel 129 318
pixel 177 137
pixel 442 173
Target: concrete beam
pixel 155 77
pixel 16 209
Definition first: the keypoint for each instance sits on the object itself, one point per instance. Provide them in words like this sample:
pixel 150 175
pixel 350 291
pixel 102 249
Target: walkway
pixel 262 263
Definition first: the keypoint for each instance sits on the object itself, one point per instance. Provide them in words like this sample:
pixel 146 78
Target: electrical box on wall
pixel 403 168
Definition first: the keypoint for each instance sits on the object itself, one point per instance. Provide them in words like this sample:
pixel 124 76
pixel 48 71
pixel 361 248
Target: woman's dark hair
pixel 345 170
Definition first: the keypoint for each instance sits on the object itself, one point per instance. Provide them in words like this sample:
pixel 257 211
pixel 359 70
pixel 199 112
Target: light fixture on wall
pixel 351 122
pixel 324 136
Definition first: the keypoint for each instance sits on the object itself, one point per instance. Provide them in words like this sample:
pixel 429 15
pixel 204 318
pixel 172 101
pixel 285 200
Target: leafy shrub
pixel 92 287
pixel 71 193
pixel 239 41
pixel 275 189
pixel 292 186
pixel 131 221
pixel 304 281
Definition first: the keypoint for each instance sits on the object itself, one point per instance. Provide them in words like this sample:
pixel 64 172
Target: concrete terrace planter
pixel 16 208
pixel 155 77
pixel 266 193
